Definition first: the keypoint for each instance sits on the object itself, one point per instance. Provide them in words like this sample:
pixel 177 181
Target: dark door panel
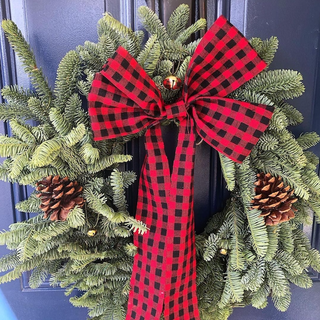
pixel 55 27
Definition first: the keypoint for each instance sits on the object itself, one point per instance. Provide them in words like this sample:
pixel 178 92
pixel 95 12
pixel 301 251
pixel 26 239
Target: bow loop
pixel 232 127
pixel 126 74
pixel 123 99
pixel 222 62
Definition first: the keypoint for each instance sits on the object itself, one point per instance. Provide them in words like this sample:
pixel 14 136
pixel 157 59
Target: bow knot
pixel 176 110
pixel 124 100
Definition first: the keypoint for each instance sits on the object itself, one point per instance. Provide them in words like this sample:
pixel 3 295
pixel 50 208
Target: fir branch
pixel 277 280
pixel 308 140
pixel 45 153
pixel 312 159
pixel 258 232
pixel 22 132
pixel 140 36
pixel 273 236
pixel 236 258
pixel 74 112
pixel 173 50
pixel 182 71
pixel 27 58
pixel 10 276
pixel 9 261
pixel 311 179
pixel 302 280
pixel 192 46
pixel 267 142
pixel 76 218
pixel 136 225
pixel 75 135
pixel 236 288
pixel 186 34
pixel 62 168
pixel 283 84
pixel 228 169
pixel 244 94
pixel 164 69
pixel 152 23
pixel 287 262
pixel 282 303
pixel 259 298
pixel 38 276
pixel 97 202
pixel 314 204
pixel 129 177
pixel 266 49
pixel 67 77
pixel 37 174
pixel 278 122
pixel 39 110
pixel 84 87
pixel 27 247
pixel 131 249
pixel 226 295
pixel 286 238
pixel 43 132
pixel 17 104
pixel 89 154
pixel 315 259
pixel 246 178
pixel 178 21
pixel 11 147
pixel 46 231
pixel 70 155
pixel 9 112
pixel 254 277
pixel 13 238
pixel 59 122
pixel 211 247
pixel 149 56
pixel 19 163
pixel 107 162
pixel 16 95
pixel 119 197
pixel 94 55
pixel 126 36
pixel 293 115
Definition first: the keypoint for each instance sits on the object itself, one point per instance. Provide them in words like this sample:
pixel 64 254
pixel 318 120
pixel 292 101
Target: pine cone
pixel 273 199
pixel 59 196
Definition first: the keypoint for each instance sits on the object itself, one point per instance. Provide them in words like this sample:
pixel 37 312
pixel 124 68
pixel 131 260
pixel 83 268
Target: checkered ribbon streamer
pixel 124 100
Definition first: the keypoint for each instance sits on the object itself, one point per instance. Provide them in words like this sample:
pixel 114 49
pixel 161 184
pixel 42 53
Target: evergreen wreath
pixel 251 250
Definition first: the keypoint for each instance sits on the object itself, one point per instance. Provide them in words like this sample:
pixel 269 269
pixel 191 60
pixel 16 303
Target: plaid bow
pixel 124 100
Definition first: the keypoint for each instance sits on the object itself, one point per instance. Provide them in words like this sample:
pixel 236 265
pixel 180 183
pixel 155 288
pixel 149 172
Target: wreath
pixel 82 232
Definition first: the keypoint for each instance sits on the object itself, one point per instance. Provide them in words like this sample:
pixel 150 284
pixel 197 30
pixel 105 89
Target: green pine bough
pixel 240 260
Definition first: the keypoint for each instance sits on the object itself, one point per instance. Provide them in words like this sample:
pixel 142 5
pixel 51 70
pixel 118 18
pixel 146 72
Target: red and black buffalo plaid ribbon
pixel 124 100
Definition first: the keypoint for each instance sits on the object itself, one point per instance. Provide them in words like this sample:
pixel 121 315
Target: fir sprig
pixel 27 58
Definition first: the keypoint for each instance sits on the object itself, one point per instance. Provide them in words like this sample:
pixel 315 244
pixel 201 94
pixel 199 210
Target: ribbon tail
pixel 148 275
pixel 180 301
pixel 164 270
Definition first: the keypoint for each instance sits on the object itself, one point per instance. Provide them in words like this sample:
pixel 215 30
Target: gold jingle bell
pixel 91 232
pixel 172 82
pixel 223 251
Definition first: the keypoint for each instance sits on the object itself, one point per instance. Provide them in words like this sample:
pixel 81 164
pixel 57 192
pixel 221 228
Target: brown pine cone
pixel 59 196
pixel 273 199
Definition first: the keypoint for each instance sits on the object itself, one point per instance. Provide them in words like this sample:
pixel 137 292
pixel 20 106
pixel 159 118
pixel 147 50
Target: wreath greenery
pixel 240 260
